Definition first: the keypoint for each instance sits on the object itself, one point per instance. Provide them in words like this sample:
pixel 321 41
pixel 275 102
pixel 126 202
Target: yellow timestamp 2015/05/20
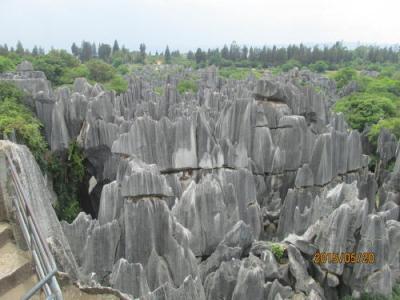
pixel 344 258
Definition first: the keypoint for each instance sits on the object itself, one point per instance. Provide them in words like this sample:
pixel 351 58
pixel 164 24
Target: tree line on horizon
pixel 234 55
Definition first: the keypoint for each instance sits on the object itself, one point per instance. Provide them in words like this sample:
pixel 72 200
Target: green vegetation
pixel 239 73
pixel 105 73
pixel 319 66
pixel 118 84
pixel 167 56
pixel 317 58
pixel 123 70
pixel 290 64
pixel 55 64
pixel 159 90
pixel 277 250
pixel 71 74
pixel 364 109
pixel 10 91
pixel 392 124
pixel 68 174
pixel 187 85
pixel 389 87
pixel 60 67
pixel 344 76
pixel 6 64
pixel 100 71
pixel 376 104
pixel 16 118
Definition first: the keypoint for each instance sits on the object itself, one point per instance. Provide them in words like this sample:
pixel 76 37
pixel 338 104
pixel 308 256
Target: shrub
pixel 67 174
pixel 344 76
pixel 159 90
pixel 118 84
pixel 123 70
pixel 17 118
pixel 117 61
pixel 6 64
pixel 10 91
pixel 277 250
pixel 384 85
pixel 388 71
pixel 187 86
pixel 396 75
pixel 361 109
pixel 319 66
pixel 235 73
pixel 55 64
pixel 392 124
pixel 290 64
pixel 70 74
pixel 100 71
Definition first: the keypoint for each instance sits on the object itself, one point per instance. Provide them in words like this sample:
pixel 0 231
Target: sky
pixel 188 24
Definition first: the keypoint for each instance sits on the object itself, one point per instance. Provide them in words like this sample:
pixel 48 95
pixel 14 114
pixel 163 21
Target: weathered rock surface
pixel 40 198
pixel 196 190
pixel 129 278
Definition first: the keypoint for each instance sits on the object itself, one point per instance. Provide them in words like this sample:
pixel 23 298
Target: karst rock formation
pixel 193 191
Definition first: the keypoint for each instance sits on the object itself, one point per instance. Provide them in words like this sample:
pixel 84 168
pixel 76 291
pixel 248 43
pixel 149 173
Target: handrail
pixel 45 265
pixel 39 285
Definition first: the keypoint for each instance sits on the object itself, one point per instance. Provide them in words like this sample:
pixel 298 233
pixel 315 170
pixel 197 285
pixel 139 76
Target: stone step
pixel 69 291
pixel 21 289
pixel 15 266
pixel 5 233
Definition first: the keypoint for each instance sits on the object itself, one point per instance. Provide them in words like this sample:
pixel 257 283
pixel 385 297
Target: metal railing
pixel 45 265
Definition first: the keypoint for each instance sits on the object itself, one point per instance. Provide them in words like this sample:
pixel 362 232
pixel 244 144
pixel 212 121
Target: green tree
pixel 20 48
pixel 105 52
pixel 234 51
pixel 142 53
pixel 70 74
pixel 200 56
pixel 67 174
pixel 225 52
pixel 75 50
pixel 18 119
pixel 115 47
pixel 167 56
pixel 123 69
pixel 4 50
pixel 362 109
pixel 86 52
pixel 94 50
pixel 278 250
pixel 245 52
pixel 290 64
pixel 99 70
pixel 10 91
pixel 392 124
pixel 190 55
pixel 6 64
pixel 35 51
pixel 187 86
pixel 344 76
pixel 320 66
pixel 55 64
pixel 118 84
